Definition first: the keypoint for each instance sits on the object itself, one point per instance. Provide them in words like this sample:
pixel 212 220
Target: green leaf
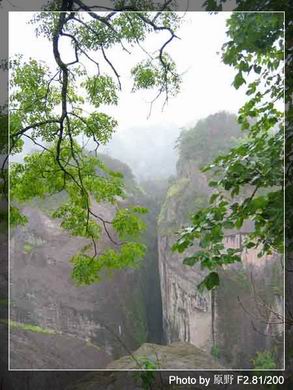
pixel 257 69
pixel 214 197
pixel 127 223
pixel 211 281
pixel 190 261
pixel 238 80
pixel 101 90
pixel 16 218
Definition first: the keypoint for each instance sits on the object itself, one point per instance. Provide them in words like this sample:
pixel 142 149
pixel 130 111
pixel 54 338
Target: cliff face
pixel 235 319
pixel 83 323
pixel 43 294
pixel 244 306
pixel 186 312
pixel 232 322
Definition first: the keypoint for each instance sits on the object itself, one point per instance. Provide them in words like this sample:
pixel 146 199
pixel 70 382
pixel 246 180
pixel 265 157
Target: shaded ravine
pixel 235 324
pixel 104 321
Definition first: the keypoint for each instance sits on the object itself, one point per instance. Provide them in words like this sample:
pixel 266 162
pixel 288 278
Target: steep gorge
pixel 233 322
pixel 56 324
pixel 59 325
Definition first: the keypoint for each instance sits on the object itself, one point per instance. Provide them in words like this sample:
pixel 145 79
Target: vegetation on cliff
pixel 211 136
pixel 256 51
pixel 48 108
pixel 189 191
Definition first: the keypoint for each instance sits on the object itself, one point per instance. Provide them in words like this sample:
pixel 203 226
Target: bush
pixel 264 360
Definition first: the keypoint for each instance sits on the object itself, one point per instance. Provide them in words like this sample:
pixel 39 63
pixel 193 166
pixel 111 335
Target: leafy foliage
pixel 264 360
pixel 126 223
pixel 148 376
pixel 86 269
pixel 195 144
pixel 16 218
pixel 152 73
pixel 50 109
pixel 101 90
pixel 248 5
pixel 248 180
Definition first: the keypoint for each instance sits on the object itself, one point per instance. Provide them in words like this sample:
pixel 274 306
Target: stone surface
pixel 173 356
pixel 43 294
pixel 186 311
pixel 30 350
pixel 234 319
pixel 177 356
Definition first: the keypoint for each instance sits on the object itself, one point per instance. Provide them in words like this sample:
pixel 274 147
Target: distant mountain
pixel 149 151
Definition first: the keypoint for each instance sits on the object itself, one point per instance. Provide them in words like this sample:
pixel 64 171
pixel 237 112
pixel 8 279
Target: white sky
pixel 206 86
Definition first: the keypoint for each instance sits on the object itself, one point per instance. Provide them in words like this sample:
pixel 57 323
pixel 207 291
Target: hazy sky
pixel 206 86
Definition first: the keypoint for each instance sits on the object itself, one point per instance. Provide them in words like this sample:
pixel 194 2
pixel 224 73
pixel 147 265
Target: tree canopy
pixel 195 144
pixel 49 108
pixel 249 179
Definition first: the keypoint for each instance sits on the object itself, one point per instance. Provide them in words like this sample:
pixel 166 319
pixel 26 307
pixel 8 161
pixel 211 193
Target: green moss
pixel 162 213
pixel 177 187
pixel 215 351
pixel 185 196
pixel 195 144
pixel 174 192
pixel 29 327
pixel 27 247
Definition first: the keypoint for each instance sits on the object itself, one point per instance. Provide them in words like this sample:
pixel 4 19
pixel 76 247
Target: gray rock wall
pixel 237 321
pixel 233 323
pixel 186 312
pixel 43 294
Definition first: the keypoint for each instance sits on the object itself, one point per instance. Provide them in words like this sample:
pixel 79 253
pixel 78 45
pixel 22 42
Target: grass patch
pixel 264 360
pixel 29 327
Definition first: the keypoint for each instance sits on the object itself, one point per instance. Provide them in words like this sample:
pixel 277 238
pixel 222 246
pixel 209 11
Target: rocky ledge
pixel 177 356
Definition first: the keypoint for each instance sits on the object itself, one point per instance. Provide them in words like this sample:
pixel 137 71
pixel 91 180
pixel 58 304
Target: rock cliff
pixel 232 322
pixel 43 294
pixel 178 355
pixel 48 309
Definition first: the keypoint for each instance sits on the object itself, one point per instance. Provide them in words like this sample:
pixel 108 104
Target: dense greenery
pixel 255 50
pixel 49 108
pixel 189 191
pixel 211 136
pixel 264 360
